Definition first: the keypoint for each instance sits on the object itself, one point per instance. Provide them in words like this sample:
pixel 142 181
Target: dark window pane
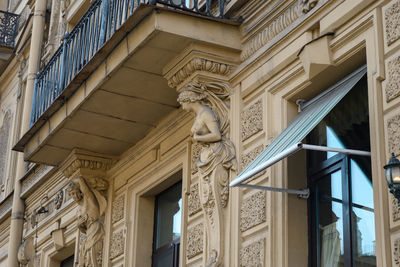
pixel 168 215
pixel 363 224
pixel 330 220
pixel 68 262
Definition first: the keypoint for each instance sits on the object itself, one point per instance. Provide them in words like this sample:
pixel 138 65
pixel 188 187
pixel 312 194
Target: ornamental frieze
pixel 277 26
pixel 198 64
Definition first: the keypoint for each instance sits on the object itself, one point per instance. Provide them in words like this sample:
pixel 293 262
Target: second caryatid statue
pixel 216 159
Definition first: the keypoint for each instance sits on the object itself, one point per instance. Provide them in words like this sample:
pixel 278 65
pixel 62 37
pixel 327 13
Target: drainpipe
pixel 17 213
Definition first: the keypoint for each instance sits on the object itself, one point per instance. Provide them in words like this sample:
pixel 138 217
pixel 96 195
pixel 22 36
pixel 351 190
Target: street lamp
pixel 393 176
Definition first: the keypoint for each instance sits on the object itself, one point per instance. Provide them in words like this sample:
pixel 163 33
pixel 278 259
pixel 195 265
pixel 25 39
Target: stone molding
pixel 198 64
pixel 80 159
pixel 293 13
pixel 392 88
pixel 392 19
pixel 35 176
pixel 253 254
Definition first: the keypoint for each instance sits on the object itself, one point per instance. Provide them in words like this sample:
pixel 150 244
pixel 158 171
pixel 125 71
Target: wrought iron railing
pixel 95 28
pixel 8 28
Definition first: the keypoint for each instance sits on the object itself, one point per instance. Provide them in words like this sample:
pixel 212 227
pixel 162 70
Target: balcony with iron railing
pixel 8 34
pixel 123 40
pixel 8 29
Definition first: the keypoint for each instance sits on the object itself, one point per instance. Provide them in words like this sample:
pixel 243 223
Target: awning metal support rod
pixel 305 193
pixel 289 151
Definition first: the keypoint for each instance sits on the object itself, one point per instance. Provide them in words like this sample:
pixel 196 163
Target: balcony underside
pixel 117 103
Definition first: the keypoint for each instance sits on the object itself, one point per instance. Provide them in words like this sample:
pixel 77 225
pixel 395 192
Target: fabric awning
pixel 312 113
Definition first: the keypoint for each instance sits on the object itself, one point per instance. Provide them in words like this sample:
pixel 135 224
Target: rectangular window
pixel 341 206
pixel 167 227
pixel 68 262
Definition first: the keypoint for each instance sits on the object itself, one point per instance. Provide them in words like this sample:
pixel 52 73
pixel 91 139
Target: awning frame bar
pixel 305 193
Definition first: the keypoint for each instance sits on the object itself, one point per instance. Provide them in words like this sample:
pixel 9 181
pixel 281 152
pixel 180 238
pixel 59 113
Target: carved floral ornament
pixel 282 22
pixel 198 64
pixel 87 164
pixel 216 157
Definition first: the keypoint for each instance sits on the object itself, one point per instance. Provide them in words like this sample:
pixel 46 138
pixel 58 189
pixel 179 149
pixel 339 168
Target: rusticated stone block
pixel 195 241
pixel 393 79
pixel 118 209
pixel 251 120
pixel 253 255
pixel 392 19
pixel 194 200
pixel 393 131
pixel 253 212
pixel 117 244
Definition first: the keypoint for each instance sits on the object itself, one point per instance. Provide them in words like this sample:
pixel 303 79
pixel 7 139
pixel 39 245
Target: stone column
pixel 86 172
pixel 201 80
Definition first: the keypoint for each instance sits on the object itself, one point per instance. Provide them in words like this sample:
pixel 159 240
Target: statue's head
pixel 191 93
pixel 74 191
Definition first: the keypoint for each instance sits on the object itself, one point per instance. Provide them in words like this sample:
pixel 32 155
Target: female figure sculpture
pixel 216 159
pixel 92 205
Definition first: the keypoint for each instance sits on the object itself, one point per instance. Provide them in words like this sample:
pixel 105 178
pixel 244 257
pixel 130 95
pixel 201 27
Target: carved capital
pixel 198 64
pixel 80 160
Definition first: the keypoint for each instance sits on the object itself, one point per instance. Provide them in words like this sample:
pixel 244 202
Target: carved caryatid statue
pixel 89 193
pixel 217 157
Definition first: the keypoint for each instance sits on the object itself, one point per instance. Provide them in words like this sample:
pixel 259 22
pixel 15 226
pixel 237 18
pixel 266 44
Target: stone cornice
pixel 80 159
pixel 198 64
pixel 293 13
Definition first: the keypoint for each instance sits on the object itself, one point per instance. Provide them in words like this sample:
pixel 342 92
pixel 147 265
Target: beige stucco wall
pixel 261 227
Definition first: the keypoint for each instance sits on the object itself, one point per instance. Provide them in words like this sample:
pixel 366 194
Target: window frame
pixel 174 244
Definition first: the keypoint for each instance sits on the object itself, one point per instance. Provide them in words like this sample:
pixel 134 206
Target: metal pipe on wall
pixel 17 213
